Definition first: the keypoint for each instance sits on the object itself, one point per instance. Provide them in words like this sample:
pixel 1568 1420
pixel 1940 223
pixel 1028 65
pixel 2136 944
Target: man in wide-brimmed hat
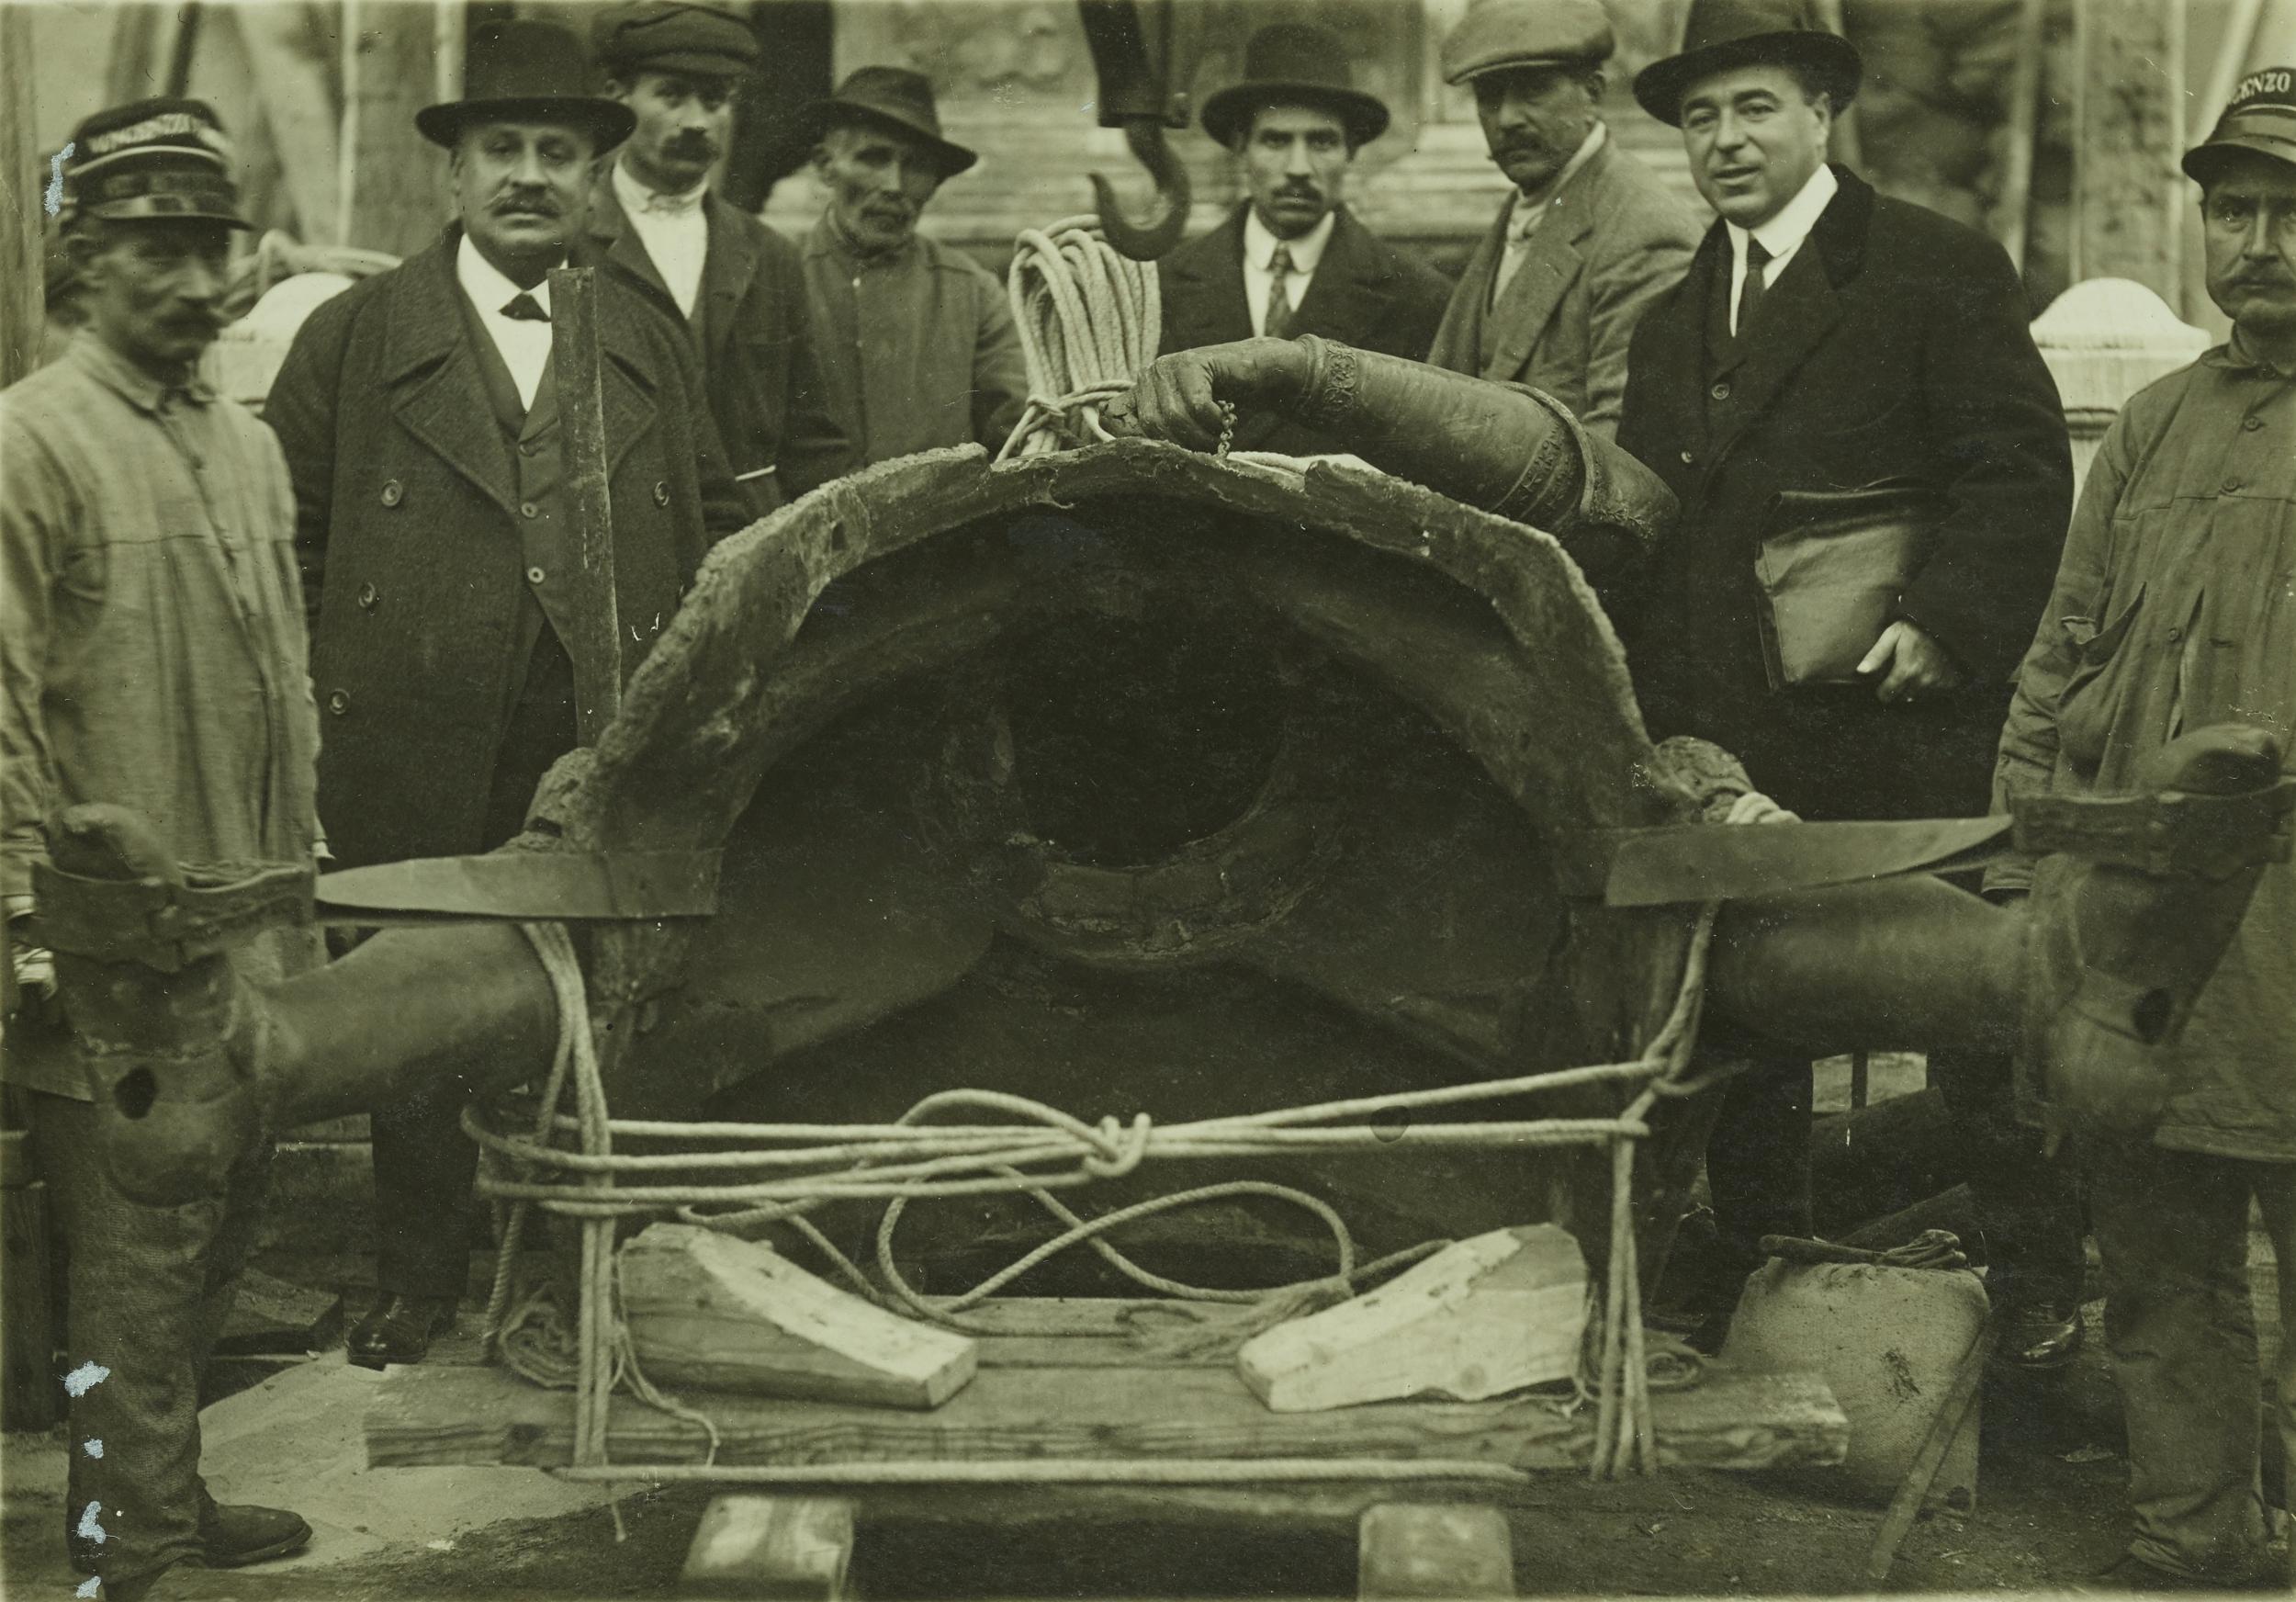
pixel 1291 259
pixel 420 415
pixel 739 286
pixel 1588 238
pixel 152 640
pixel 2173 610
pixel 1827 339
pixel 918 346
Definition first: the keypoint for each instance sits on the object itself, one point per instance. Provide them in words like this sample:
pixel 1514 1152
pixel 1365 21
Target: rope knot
pixel 1120 1149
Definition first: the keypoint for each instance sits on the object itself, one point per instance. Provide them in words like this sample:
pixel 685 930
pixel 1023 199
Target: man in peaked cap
pixel 918 346
pixel 738 286
pixel 152 640
pixel 1825 340
pixel 2174 608
pixel 420 415
pixel 1590 236
pixel 1291 259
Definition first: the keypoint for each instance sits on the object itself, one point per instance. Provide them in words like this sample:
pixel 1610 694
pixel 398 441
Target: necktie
pixel 1278 325
pixel 524 308
pixel 1521 225
pixel 1749 293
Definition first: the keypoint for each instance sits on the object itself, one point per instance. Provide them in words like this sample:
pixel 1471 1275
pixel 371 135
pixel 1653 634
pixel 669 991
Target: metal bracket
pixel 165 926
pixel 2168 832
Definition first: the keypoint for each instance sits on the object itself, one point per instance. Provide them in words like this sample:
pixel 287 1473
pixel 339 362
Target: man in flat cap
pixel 918 346
pixel 1292 259
pixel 420 415
pixel 2174 608
pixel 738 286
pixel 1589 238
pixel 1837 372
pixel 153 637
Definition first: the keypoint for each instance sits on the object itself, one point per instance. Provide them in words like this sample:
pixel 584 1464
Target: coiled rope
pixel 1090 319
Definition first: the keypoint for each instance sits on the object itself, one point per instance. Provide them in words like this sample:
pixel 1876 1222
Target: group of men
pixel 193 600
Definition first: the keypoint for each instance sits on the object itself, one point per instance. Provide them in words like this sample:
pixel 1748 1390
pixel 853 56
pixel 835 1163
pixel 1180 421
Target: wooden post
pixel 30 1397
pixel 297 101
pixel 23 309
pixel 389 178
pixel 2130 198
pixel 597 646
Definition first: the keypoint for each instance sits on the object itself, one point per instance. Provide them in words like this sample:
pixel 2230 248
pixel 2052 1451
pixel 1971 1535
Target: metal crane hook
pixel 1144 241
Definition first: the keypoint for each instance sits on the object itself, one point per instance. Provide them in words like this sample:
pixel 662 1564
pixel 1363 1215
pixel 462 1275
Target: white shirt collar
pixel 488 290
pixel 1784 234
pixel 637 199
pixel 1259 244
pixel 1527 207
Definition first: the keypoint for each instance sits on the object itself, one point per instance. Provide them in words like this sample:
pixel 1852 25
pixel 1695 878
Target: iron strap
pixel 165 926
pixel 2170 832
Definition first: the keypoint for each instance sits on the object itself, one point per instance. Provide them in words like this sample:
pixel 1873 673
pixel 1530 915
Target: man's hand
pixel 1180 397
pixel 1911 664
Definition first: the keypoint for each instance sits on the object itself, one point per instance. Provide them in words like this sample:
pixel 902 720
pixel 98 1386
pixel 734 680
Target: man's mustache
pixel 526 206
pixel 693 147
pixel 1298 189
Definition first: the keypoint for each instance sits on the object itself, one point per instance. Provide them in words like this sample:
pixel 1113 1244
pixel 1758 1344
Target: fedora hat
pixel 1293 64
pixel 891 98
pixel 527 70
pixel 1722 33
pixel 2261 118
pixel 152 160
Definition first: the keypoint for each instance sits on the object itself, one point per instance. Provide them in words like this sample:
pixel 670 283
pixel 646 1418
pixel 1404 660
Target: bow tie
pixel 676 204
pixel 524 308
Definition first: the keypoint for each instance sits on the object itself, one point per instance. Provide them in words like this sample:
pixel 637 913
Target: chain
pixel 1227 428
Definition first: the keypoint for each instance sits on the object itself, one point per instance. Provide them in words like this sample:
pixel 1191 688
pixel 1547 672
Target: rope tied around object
pixel 1090 319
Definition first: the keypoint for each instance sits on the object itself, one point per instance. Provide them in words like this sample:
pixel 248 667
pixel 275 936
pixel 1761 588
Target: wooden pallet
pixel 1066 1382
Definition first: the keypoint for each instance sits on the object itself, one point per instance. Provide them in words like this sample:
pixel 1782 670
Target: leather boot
pixel 399 1330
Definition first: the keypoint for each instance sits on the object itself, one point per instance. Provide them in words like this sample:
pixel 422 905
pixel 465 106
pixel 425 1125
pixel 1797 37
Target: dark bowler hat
pixel 1498 36
pixel 1292 63
pixel 1722 33
pixel 527 72
pixel 888 97
pixel 152 159
pixel 2261 118
pixel 672 36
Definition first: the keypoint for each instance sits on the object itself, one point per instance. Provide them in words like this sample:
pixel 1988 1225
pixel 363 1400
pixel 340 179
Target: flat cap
pixel 152 160
pixel 1497 35
pixel 2261 118
pixel 673 36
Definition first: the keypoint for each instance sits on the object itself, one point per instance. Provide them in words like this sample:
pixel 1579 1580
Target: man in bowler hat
pixel 153 639
pixel 738 286
pixel 1292 259
pixel 918 347
pixel 1588 238
pixel 1827 339
pixel 418 411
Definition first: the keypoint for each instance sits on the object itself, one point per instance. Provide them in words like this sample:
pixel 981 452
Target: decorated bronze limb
pixel 189 1064
pixel 1504 448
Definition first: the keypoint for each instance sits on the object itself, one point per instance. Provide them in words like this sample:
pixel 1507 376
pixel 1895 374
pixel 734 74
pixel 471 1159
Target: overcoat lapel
pixel 1347 296
pixel 1207 285
pixel 1668 384
pixel 436 392
pixel 727 269
pixel 1551 264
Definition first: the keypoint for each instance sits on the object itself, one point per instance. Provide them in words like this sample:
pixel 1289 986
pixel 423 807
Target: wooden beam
pixel 23 186
pixel 2130 198
pixel 1407 1549
pixel 2012 209
pixel 793 1547
pixel 298 100
pixel 596 647
pixel 391 192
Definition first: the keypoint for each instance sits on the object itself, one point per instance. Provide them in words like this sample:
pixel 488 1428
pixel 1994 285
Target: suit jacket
pixel 754 337
pixel 409 526
pixel 1894 345
pixel 1613 241
pixel 1366 293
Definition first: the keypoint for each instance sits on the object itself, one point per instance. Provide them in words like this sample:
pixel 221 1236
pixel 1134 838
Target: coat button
pixel 369 596
pixel 661 491
pixel 2232 486
pixel 2252 423
pixel 1721 390
pixel 393 493
pixel 1688 458
pixel 2175 635
pixel 528 509
pixel 338 702
pixel 533 575
pixel 527 448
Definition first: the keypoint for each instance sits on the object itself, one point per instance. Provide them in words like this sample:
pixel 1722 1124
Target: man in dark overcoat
pixel 1828 339
pixel 1292 259
pixel 420 419
pixel 1588 237
pixel 738 287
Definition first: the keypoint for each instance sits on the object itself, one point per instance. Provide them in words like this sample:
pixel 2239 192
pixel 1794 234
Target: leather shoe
pixel 2132 1575
pixel 231 1536
pixel 2038 1337
pixel 399 1330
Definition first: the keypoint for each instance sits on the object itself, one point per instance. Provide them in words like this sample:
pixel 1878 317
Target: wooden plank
pixel 1412 1549
pixel 23 308
pixel 298 100
pixel 30 1397
pixel 429 1415
pixel 1483 1317
pixel 392 181
pixel 709 1310
pixel 2130 198
pixel 596 645
pixel 800 1548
